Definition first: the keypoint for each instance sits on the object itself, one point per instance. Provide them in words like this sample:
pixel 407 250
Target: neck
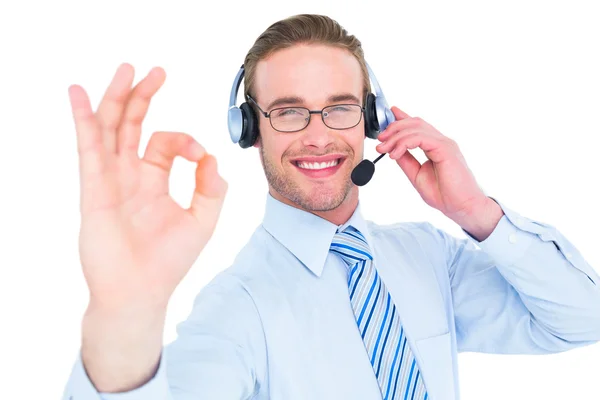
pixel 336 216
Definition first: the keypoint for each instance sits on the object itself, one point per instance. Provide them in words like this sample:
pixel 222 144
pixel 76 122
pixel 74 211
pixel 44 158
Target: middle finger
pixel 111 107
pixel 130 130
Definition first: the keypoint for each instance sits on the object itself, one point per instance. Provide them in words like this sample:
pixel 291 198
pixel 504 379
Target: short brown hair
pixel 302 28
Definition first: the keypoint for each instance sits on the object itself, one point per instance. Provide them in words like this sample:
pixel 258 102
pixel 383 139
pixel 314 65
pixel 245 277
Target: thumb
pixel 209 193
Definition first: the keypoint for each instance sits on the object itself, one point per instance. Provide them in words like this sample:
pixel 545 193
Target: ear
pixel 257 143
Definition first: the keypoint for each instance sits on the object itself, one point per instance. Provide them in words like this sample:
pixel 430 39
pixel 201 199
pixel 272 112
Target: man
pixel 320 304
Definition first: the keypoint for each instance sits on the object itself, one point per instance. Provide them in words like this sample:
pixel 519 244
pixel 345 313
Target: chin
pixel 322 196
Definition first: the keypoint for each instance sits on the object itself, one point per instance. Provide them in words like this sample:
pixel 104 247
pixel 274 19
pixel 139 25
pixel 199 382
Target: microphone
pixel 363 172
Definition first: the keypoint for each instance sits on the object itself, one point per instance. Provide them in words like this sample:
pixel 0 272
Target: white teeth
pixel 322 165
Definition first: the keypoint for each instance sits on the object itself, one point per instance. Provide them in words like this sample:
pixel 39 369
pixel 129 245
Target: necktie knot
pixel 351 245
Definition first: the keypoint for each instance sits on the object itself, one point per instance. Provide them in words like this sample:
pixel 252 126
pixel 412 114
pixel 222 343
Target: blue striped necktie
pixel 378 323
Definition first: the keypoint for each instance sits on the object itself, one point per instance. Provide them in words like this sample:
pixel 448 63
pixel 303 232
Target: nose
pixel 316 133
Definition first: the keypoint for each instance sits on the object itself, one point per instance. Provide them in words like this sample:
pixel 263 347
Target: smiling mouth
pixel 317 165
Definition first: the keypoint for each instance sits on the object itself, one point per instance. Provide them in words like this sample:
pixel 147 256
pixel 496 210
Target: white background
pixel 515 83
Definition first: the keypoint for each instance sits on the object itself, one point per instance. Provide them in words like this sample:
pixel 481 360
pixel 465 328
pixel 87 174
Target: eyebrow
pixel 295 100
pixel 282 101
pixel 343 97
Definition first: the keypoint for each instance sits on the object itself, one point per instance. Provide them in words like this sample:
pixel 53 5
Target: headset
pixel 243 122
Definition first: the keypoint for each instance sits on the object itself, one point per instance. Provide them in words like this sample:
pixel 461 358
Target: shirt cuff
pixel 515 234
pixel 509 240
pixel 79 386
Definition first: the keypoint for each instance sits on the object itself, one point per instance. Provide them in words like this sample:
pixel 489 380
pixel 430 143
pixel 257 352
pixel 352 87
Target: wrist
pixel 138 309
pixel 121 348
pixel 126 324
pixel 482 219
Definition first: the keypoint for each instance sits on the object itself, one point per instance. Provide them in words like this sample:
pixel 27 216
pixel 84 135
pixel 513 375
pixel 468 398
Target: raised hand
pixel 444 181
pixel 136 242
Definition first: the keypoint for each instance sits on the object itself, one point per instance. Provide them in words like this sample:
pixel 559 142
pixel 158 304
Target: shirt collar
pixel 306 235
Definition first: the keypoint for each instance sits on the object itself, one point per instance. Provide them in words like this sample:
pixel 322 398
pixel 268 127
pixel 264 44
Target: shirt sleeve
pixel 525 289
pixel 80 386
pixel 219 353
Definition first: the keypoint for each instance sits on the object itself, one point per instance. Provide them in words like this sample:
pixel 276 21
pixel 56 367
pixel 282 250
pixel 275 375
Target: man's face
pixel 311 167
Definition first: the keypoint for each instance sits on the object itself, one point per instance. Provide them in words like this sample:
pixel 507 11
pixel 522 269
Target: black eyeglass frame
pixel 310 112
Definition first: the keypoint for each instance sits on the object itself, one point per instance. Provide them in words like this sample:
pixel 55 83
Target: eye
pixel 339 109
pixel 286 112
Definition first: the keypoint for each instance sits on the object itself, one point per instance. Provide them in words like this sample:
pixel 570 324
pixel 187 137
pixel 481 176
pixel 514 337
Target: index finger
pixel 398 113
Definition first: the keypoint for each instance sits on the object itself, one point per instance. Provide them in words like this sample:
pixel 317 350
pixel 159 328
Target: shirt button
pixel 512 238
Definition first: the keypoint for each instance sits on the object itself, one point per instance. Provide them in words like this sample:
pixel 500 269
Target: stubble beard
pixel 321 197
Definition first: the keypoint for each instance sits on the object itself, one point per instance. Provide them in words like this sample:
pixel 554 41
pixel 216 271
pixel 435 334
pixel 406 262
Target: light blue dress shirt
pixel 278 324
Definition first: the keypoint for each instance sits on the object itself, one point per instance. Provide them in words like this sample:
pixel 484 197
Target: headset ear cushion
pixel 371 122
pixel 249 126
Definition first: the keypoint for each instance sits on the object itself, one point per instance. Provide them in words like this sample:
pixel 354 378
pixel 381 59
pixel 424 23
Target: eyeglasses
pixel 294 119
